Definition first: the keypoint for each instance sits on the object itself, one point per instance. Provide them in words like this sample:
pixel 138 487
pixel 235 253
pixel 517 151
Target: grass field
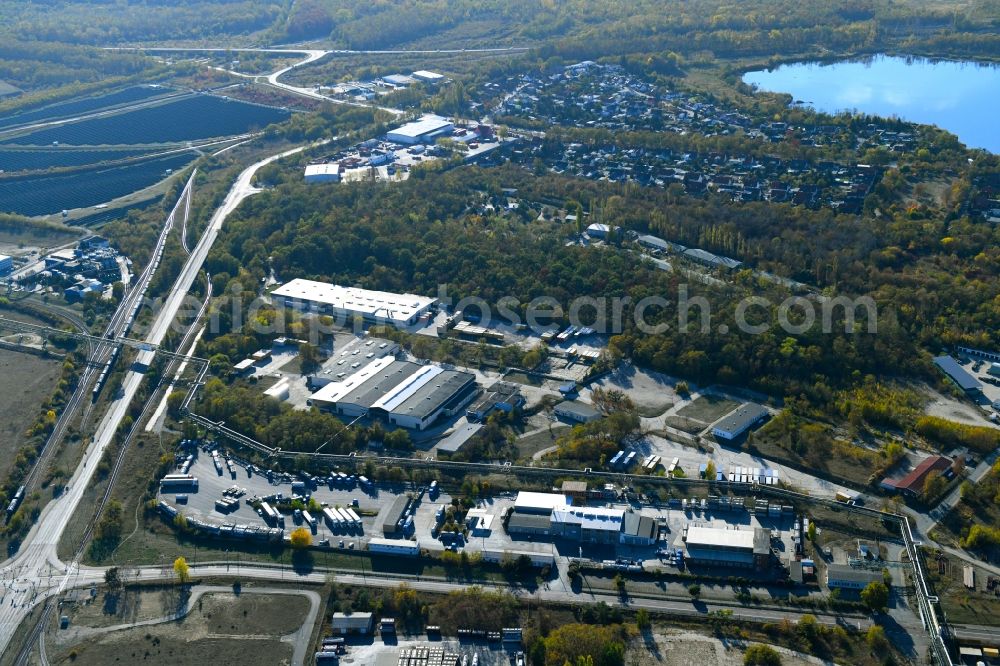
pixel 26 380
pixel 255 614
pixel 168 644
pixel 532 444
pixel 651 410
pixel 685 424
pixel 522 378
pixel 708 408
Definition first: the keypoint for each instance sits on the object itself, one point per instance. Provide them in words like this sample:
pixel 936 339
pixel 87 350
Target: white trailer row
pixel 338 519
pixel 270 513
pixel 178 482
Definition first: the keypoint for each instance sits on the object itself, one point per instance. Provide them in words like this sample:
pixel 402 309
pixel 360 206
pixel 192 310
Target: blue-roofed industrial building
pixel 958 374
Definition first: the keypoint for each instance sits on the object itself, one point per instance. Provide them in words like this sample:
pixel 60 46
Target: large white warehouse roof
pixel 714 537
pixel 539 502
pixel 399 309
pixel 428 125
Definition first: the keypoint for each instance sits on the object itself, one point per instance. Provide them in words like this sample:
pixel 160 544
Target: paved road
pixel 95 575
pixel 311 56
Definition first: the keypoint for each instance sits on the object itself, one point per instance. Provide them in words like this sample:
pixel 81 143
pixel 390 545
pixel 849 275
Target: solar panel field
pixel 184 119
pixel 48 158
pixel 83 105
pixel 50 194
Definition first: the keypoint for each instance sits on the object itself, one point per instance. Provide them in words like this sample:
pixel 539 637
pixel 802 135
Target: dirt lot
pixel 26 380
pixel 946 407
pixel 687 648
pixel 219 624
pixel 652 392
pixel 23 243
pixel 252 614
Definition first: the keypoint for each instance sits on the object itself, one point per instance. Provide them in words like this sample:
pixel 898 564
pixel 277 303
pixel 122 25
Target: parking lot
pixel 211 485
pixel 979 368
pixel 374 504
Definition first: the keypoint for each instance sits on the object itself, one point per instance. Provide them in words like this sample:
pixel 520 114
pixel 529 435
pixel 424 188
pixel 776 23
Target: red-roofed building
pixel 913 483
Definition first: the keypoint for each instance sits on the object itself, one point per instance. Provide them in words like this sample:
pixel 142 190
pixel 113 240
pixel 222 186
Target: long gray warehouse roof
pixel 958 374
pixel 394 513
pixel 432 395
pixel 371 391
pixel 456 440
pixel 846 572
pixel 581 409
pixel 741 418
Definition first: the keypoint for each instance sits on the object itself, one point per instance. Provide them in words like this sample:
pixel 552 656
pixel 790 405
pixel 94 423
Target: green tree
pixel 112 579
pixel 642 620
pixel 572 641
pixel 174 401
pixel 308 358
pixel 761 655
pixel 875 596
pixel 934 485
pixel 398 439
pixel 875 637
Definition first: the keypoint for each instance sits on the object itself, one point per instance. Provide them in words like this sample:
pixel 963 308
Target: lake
pixel 961 97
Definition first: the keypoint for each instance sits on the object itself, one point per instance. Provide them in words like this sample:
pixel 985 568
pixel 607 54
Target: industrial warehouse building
pixel 427 76
pixel 913 483
pixel 406 394
pixel 958 374
pixel 392 518
pixel 588 524
pixel 352 623
pixel 639 529
pixel 504 396
pixel 532 515
pixel 729 547
pixel 577 412
pixel 842 576
pixel 739 420
pixel 323 173
pixel 346 303
pixel 425 130
pixel 553 515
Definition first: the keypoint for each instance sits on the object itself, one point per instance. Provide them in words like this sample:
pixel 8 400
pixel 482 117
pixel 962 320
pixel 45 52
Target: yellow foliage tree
pixel 182 570
pixel 301 538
